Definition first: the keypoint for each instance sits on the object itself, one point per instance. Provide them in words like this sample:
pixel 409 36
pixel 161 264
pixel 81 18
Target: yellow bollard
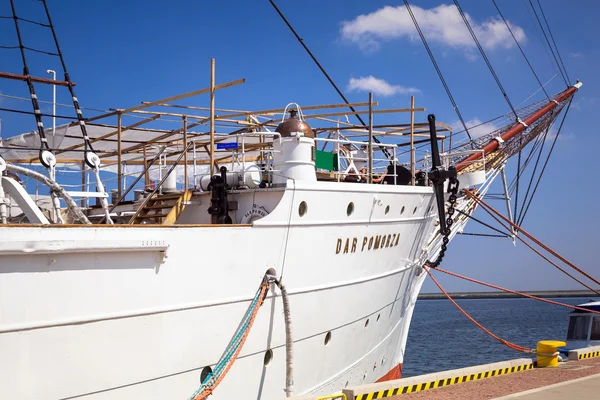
pixel 547 353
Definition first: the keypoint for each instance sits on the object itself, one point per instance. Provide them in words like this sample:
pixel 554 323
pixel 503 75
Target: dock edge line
pixel 582 356
pixel 420 387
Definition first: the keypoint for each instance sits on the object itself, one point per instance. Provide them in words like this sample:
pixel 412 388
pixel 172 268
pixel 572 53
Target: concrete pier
pixel 579 378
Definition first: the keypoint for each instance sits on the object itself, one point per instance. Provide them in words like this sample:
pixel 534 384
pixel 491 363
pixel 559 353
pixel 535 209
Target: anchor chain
pixel 453 190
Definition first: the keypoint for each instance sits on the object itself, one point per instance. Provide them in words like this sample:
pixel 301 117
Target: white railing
pixel 239 153
pixel 355 160
pixel 453 157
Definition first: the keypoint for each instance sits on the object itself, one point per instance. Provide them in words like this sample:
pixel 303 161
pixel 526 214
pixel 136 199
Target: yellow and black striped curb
pixel 584 353
pixel 419 387
pixel 588 355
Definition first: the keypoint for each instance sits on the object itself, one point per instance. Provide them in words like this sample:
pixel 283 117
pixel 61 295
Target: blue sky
pixel 121 53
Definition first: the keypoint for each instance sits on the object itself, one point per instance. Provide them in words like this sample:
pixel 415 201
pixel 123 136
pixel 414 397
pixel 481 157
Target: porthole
pixel 415 210
pixel 367 322
pixel 402 210
pixel 378 316
pixel 350 209
pixel 268 357
pixel 206 371
pixel 387 209
pixel 302 209
pixel 327 338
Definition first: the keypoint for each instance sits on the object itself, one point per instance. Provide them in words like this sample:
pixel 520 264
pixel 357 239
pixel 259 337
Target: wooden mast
pixel 519 127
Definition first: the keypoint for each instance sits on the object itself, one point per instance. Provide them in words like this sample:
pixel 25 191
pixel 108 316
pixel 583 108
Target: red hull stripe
pixel 394 373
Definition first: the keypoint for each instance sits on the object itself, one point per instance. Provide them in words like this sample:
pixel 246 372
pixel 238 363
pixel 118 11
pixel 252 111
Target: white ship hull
pixel 122 312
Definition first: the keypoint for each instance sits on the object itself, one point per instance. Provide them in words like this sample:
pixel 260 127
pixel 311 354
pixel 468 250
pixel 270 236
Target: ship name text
pixel 354 245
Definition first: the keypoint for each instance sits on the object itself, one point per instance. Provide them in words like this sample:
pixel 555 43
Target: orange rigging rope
pixel 503 341
pixel 489 209
pixel 515 292
pixel 541 255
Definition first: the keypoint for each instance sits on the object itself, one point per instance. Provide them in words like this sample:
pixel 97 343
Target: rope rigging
pixel 549 45
pixel 503 234
pixel 339 92
pixel 40 51
pixel 495 214
pixel 552 37
pixel 498 338
pixel 496 287
pixel 46 157
pixel 439 72
pixel 91 158
pixel 521 49
pixel 487 61
pixel 539 154
pixel 532 152
pixel 546 162
pixel 484 235
pixel 33 22
pixel 530 296
pixel 518 180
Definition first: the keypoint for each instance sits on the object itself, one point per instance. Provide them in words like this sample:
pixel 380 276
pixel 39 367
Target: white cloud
pixel 564 135
pixel 476 127
pixel 577 55
pixel 442 24
pixel 377 86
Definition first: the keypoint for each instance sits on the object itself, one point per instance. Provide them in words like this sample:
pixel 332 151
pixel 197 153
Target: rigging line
pixel 532 152
pixel 301 41
pixel 547 159
pixel 34 101
pixel 534 171
pixel 498 338
pixel 40 51
pixel 515 292
pixel 548 42
pixel 33 22
pixel 534 93
pixel 538 252
pixel 24 148
pixel 33 113
pixel 491 211
pixel 437 69
pixel 552 37
pixel 482 123
pixel 521 49
pixel 88 143
pixel 517 183
pixel 534 148
pixel 481 222
pixel 9 47
pixel 487 61
pixel 539 35
pixel 62 105
pixel 483 235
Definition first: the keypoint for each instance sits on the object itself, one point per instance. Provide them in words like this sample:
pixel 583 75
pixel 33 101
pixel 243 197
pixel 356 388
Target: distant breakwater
pixel 504 295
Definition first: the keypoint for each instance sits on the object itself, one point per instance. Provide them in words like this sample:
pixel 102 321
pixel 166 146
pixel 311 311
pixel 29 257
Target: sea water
pixel 442 338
